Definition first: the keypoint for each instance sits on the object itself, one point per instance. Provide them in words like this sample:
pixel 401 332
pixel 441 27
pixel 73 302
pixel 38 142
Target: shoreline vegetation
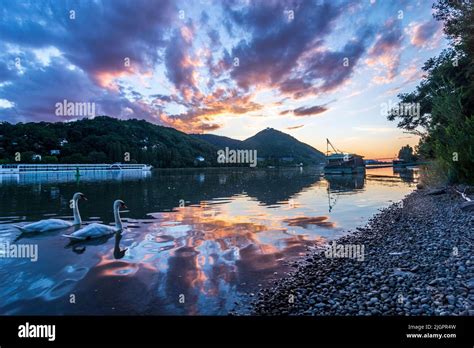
pixel 444 98
pixel 418 261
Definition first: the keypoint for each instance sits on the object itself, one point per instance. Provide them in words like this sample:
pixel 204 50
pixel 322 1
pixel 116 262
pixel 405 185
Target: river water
pixel 196 241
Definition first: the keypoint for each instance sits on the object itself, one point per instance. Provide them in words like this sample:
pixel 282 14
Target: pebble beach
pixel 418 260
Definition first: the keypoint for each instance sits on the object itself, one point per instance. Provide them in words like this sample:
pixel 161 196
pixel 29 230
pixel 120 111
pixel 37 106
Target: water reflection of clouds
pixel 201 251
pixel 305 221
pixel 33 284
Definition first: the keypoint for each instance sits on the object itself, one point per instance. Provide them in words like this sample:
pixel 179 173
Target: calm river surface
pixel 195 241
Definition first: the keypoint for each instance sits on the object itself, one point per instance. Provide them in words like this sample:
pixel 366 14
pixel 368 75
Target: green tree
pixel 97 157
pixel 27 157
pixel 446 96
pixel 49 159
pixel 74 158
pixel 406 154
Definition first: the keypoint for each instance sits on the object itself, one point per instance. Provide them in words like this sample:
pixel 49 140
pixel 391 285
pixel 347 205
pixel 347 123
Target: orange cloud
pixel 385 53
pixel 208 108
pixel 425 35
pixel 106 79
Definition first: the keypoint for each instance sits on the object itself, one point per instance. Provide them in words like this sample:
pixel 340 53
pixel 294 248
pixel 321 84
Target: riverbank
pixel 418 260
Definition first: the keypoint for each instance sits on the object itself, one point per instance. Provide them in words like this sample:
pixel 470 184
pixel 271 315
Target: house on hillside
pixel 199 160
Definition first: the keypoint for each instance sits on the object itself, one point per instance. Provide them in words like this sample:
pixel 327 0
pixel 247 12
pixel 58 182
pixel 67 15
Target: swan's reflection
pixel 79 246
pixel 119 253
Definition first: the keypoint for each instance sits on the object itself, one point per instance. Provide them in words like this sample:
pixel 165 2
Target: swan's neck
pixel 75 211
pixel 118 221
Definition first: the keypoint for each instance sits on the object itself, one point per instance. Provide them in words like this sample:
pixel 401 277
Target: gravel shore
pixel 418 260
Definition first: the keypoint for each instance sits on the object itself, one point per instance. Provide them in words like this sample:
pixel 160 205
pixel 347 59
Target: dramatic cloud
pixel 332 68
pixel 45 87
pixel 97 42
pixel 386 51
pixel 98 37
pixel 181 66
pixel 425 34
pixel 278 41
pixel 217 104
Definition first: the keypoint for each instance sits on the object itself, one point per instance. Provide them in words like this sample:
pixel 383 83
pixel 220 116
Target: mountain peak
pixel 275 144
pixel 269 130
pixel 271 133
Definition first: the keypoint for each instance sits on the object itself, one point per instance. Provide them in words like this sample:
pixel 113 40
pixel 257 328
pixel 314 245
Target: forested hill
pixel 107 140
pixel 102 140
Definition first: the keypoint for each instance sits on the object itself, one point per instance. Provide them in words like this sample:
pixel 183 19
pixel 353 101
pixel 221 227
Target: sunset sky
pixel 313 69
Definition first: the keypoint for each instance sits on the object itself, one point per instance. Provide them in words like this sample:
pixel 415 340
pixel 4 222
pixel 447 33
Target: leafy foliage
pixel 102 140
pixel 406 153
pixel 446 96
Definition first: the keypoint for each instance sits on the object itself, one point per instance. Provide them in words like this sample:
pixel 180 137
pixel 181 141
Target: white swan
pixel 99 230
pixel 56 224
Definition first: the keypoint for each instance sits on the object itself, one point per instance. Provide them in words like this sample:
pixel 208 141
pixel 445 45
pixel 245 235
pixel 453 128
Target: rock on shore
pixel 418 260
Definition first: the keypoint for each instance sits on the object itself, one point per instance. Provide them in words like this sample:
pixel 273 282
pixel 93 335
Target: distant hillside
pixel 221 141
pixel 275 147
pixel 102 140
pixel 108 140
pixel 281 147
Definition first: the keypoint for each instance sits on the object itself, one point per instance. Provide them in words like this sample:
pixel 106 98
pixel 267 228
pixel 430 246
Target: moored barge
pixel 342 162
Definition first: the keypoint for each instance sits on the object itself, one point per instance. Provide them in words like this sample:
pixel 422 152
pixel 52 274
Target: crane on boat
pixel 328 143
